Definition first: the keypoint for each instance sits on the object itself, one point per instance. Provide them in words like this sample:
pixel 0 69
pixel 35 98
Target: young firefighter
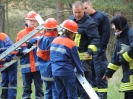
pixel 64 58
pixel 87 39
pixel 50 33
pixel 100 62
pixel 29 67
pixel 124 34
pixel 9 75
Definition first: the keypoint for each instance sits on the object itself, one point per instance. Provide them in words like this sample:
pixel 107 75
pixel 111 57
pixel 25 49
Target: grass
pixel 113 89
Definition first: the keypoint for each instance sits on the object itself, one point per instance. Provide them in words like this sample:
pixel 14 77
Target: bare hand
pixel 106 77
pixel 88 56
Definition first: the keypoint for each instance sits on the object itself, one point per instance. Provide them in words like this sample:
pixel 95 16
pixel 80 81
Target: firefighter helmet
pixel 70 25
pixel 50 23
pixel 31 15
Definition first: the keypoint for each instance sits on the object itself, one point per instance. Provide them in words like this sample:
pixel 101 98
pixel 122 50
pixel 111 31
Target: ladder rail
pixel 16 58
pixel 25 38
pixel 85 84
pixel 19 43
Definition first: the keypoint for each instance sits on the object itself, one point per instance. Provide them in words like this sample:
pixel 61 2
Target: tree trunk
pixel 60 15
pixel 2 18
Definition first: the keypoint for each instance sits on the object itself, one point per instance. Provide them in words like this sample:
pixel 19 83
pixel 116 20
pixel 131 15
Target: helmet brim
pixel 30 18
pixel 67 28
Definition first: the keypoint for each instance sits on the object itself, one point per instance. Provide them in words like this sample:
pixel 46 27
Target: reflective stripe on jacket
pixel 82 55
pixel 87 36
pixel 126 37
pixel 64 57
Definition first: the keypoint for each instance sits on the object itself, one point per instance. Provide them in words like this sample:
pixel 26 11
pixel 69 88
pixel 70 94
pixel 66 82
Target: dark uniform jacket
pixel 103 28
pixel 89 35
pixel 126 37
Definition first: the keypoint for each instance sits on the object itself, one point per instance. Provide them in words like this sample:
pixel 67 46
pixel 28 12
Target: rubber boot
pixel 102 95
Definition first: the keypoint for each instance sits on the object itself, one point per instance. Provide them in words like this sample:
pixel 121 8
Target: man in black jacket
pixel 99 63
pixel 87 40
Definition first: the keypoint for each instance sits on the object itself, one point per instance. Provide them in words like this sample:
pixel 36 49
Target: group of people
pixel 81 46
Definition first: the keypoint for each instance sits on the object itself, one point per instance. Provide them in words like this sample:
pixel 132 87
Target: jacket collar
pixel 82 19
pixel 52 33
pixel 29 29
pixel 124 30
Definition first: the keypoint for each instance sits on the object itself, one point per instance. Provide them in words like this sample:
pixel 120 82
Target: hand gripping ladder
pixel 16 58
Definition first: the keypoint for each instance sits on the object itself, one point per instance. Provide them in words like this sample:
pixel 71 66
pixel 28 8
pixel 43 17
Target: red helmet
pixel 70 25
pixel 31 15
pixel 50 23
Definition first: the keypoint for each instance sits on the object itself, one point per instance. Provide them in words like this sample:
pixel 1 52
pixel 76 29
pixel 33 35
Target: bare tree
pixel 2 17
pixel 60 7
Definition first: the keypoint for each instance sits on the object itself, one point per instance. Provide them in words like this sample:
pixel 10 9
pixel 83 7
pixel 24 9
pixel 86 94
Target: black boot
pixel 3 97
pixel 102 95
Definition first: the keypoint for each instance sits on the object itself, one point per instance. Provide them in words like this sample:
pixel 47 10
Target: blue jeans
pixel 27 81
pixel 66 87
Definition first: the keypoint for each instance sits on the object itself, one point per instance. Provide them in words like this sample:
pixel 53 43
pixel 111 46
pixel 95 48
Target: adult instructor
pixel 87 40
pixel 99 63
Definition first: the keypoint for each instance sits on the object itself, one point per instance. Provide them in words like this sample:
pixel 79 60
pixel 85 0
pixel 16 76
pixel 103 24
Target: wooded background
pixel 13 12
pixel 12 19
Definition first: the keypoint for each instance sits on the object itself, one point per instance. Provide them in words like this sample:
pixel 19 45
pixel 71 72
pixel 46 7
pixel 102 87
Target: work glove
pixel 20 52
pixel 124 48
pixel 8 59
pixel 29 45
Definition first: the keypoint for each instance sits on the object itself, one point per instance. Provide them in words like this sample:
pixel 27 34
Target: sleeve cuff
pixel 127 57
pixel 90 52
pixel 109 73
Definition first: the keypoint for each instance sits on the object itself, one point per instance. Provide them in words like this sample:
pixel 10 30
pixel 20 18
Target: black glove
pixel 8 59
pixel 20 52
pixel 29 45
